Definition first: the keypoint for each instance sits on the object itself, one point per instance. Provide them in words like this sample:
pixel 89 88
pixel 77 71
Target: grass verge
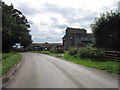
pixel 110 66
pixel 8 61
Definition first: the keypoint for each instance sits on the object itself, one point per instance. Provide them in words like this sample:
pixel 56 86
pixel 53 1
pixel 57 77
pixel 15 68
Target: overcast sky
pixel 50 18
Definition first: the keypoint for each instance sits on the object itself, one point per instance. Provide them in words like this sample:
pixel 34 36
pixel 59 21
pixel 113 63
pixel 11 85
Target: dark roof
pixel 74 28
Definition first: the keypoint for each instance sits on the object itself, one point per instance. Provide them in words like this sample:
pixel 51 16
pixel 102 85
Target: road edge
pixel 10 74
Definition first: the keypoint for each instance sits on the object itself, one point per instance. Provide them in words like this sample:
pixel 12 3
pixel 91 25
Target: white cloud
pixel 49 18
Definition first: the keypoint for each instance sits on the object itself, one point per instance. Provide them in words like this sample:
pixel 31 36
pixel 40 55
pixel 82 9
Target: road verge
pixel 10 74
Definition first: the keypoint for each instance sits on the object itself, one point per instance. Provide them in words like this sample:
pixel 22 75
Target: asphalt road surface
pixel 44 71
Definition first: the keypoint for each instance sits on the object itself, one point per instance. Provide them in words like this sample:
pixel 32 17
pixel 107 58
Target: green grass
pixel 6 55
pixel 109 66
pixel 8 61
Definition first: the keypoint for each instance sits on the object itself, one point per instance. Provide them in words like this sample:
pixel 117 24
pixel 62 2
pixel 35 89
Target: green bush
pixel 99 55
pixel 73 51
pixel 85 53
pixel 88 53
pixel 57 51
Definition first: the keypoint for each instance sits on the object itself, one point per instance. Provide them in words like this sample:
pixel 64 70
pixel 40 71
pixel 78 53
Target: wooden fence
pixel 112 55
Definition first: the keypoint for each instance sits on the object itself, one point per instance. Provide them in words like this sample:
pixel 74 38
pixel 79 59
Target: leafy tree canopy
pixel 106 31
pixel 15 28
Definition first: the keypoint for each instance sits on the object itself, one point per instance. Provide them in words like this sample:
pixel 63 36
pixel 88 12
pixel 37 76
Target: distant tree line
pixel 106 30
pixel 15 28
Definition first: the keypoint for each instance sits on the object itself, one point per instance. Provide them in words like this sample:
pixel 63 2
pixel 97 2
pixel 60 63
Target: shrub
pixel 85 53
pixel 95 55
pixel 99 55
pixel 57 51
pixel 73 51
pixel 89 53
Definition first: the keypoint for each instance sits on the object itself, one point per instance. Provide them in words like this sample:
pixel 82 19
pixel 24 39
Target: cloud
pixel 59 10
pixel 72 16
pixel 49 18
pixel 61 26
pixel 31 22
pixel 28 9
pixel 82 17
pixel 43 40
pixel 54 20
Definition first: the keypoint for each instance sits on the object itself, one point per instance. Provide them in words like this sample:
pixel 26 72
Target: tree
pixel 15 28
pixel 106 30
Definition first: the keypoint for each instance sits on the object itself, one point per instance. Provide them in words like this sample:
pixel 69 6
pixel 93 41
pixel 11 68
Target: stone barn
pixel 76 37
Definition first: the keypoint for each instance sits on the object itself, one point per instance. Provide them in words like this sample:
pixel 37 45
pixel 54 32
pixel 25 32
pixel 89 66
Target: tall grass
pixel 8 61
